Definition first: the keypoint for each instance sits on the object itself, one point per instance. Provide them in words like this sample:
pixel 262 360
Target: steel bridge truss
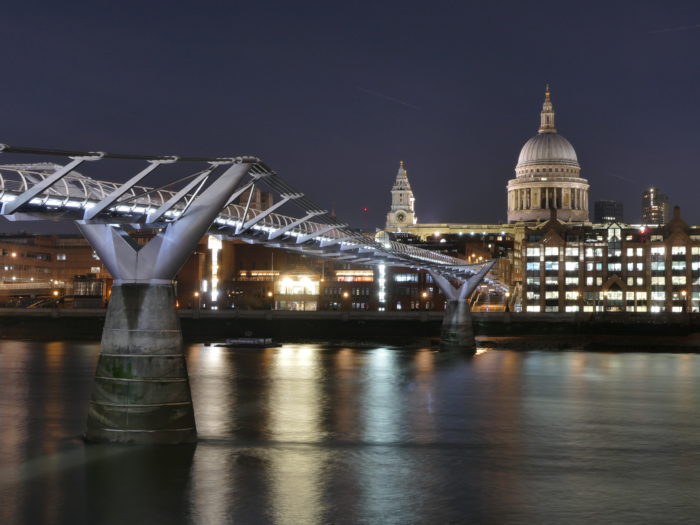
pixel 56 191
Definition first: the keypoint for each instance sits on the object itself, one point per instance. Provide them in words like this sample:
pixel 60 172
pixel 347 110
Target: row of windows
pixel 598 281
pixel 571 266
pixel 573 251
pixel 614 295
pixel 352 291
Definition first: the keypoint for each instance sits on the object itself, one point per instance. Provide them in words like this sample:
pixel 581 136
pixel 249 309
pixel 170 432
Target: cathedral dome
pixel 547 148
pixel 547 176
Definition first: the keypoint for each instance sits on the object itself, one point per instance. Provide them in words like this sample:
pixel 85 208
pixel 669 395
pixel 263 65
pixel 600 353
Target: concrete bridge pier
pixel 141 392
pixel 457 333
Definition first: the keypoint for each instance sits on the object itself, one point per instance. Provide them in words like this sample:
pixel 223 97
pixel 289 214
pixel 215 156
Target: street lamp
pixel 684 293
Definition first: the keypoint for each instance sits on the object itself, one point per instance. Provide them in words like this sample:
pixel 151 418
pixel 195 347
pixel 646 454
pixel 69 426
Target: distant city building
pixel 402 211
pixel 45 270
pixel 547 177
pixel 607 211
pixel 655 209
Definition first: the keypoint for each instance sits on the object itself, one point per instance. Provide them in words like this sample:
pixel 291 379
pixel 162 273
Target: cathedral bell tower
pixel 402 213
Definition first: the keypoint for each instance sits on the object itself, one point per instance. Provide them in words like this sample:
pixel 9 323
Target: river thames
pixel 307 434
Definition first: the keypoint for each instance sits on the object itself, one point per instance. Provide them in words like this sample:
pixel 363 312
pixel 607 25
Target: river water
pixel 304 434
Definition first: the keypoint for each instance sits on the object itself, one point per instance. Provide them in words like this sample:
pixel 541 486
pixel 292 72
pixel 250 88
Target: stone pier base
pixel 457 330
pixel 141 392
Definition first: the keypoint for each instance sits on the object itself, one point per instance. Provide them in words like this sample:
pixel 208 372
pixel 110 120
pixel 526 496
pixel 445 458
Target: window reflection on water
pixel 307 434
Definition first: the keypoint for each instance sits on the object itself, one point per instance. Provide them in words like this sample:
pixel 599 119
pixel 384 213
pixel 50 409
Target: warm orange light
pixel 196 294
pixel 14 254
pixel 269 294
pixel 55 293
pixel 424 294
pixel 346 295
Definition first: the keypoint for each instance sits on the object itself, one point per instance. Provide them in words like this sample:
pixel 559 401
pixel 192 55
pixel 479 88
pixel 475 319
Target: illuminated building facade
pixel 612 267
pixel 402 213
pixel 655 209
pixel 38 270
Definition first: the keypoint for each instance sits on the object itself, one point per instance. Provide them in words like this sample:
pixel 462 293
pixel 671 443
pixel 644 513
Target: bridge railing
pixel 73 195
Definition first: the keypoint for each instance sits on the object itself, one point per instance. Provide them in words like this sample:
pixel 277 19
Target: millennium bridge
pixel 141 391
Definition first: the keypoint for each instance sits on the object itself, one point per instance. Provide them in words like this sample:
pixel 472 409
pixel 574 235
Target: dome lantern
pixel 547 114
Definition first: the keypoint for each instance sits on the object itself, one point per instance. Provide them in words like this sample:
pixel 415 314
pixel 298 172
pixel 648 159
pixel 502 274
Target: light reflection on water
pixel 306 434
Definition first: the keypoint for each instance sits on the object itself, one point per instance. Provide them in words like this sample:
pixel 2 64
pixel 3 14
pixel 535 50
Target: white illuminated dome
pixel 547 148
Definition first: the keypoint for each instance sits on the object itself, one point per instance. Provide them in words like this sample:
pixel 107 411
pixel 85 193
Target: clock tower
pixel 402 213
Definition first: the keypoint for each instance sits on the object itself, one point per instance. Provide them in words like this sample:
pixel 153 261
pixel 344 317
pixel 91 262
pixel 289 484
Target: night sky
pixel 333 95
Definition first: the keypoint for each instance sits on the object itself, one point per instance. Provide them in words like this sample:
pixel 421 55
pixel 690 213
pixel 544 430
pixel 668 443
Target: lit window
pixel 61 257
pixel 571 266
pixel 677 250
pixel 678 265
pixel 551 250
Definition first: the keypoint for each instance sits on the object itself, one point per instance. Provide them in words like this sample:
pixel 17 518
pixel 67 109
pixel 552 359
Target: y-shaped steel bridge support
pixel 457 329
pixel 141 392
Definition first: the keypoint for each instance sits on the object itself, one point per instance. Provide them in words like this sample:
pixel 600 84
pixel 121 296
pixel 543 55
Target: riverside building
pixel 613 267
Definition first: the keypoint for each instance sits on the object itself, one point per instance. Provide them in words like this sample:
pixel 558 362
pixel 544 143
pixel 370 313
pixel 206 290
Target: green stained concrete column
pixel 141 392
pixel 457 330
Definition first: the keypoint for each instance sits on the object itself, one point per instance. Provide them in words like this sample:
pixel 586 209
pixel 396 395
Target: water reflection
pixel 306 434
pixel 296 404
